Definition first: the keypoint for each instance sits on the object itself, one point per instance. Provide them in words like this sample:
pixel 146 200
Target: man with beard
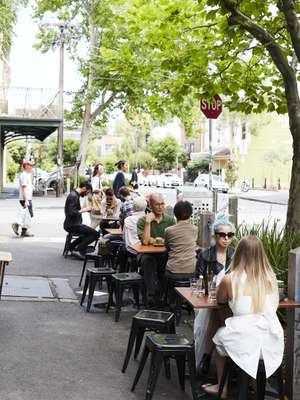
pixel 73 221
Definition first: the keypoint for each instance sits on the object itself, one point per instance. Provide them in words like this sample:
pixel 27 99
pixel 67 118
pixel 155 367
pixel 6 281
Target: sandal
pixel 214 390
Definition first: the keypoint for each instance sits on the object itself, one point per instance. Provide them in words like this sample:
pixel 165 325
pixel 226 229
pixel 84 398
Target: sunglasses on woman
pixel 224 235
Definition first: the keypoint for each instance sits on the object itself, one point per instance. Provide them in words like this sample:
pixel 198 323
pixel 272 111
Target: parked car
pixel 168 180
pixel 47 181
pixel 202 180
pixel 149 180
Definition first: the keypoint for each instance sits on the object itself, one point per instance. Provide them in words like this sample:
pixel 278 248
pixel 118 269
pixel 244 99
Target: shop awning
pixel 14 128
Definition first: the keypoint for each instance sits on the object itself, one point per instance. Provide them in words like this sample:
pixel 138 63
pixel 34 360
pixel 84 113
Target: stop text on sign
pixel 211 109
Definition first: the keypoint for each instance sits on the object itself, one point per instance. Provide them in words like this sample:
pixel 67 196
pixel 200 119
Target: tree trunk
pixel 84 137
pixel 293 104
pixel 87 120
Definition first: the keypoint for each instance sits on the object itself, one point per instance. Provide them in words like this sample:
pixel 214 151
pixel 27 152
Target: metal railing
pixel 28 102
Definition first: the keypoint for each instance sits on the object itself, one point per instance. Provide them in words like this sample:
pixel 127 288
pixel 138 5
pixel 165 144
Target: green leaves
pixel 8 17
pixel 165 152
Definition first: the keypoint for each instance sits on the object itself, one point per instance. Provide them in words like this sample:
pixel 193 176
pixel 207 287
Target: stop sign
pixel 211 110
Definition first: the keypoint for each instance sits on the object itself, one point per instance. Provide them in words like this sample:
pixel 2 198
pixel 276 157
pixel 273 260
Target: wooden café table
pixel 114 231
pixel 200 302
pixel 149 249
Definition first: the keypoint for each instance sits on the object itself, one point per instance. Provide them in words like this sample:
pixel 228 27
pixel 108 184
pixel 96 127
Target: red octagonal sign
pixel 211 110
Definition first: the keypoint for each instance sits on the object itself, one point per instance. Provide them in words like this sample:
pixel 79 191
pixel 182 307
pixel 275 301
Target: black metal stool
pixel 243 380
pixel 165 346
pixel 147 320
pixel 68 241
pixel 99 262
pixel 123 281
pixel 94 275
pixel 170 290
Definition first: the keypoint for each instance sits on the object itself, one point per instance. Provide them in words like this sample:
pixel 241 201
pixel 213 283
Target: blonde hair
pixel 250 257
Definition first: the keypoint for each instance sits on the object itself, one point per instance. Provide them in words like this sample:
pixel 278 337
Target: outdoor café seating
pixel 69 238
pixel 166 346
pixel 170 294
pixel 147 320
pixel 121 281
pixel 94 275
pixel 244 378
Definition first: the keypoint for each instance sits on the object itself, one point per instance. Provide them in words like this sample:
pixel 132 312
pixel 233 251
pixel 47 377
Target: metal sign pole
pixel 210 153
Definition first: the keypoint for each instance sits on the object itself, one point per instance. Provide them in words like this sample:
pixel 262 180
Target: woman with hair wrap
pixel 213 261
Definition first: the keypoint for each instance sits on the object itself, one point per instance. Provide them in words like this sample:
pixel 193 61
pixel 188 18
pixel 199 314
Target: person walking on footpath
pixel 73 221
pixel 25 198
pixel 119 180
pixel 134 179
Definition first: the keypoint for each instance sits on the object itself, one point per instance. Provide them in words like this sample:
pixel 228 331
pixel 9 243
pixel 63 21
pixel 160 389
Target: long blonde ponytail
pixel 250 257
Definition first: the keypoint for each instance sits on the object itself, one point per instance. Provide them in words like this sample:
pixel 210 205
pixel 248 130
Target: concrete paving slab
pixel 62 288
pixel 26 286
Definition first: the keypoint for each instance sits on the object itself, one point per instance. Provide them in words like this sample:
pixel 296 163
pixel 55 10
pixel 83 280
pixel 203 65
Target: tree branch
pixel 267 40
pixel 102 106
pixel 293 26
pixel 199 27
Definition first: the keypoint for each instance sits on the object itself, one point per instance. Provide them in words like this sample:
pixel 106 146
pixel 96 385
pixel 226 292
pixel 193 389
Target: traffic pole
pixel 210 155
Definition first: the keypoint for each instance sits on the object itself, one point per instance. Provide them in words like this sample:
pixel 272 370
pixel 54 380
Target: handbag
pixel 24 218
pixel 105 247
pixel 96 203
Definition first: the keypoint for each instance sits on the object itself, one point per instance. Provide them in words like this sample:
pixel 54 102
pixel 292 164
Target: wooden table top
pixel 200 302
pixel 114 231
pixel 109 218
pixel 5 256
pixel 149 249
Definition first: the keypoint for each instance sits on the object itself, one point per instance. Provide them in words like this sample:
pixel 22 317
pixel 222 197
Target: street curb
pixel 262 201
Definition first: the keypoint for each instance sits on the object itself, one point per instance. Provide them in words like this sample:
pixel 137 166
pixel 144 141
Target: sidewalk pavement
pixel 52 349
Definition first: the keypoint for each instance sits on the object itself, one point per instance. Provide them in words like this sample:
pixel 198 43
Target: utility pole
pixel 60 40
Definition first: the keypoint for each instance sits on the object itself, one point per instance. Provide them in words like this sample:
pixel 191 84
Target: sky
pixel 31 68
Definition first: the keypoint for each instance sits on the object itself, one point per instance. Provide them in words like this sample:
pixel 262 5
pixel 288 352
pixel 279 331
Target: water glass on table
pixel 193 285
pixel 212 290
pixel 200 286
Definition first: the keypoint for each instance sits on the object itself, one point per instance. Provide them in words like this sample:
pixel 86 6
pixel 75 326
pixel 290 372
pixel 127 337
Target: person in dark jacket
pixel 209 259
pixel 215 262
pixel 119 180
pixel 134 179
pixel 73 220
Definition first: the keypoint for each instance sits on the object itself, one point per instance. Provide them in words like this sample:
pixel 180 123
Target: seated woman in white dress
pixel 254 332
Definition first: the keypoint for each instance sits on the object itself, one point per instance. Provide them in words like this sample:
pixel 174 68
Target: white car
pixel 202 180
pixel 148 180
pixel 168 180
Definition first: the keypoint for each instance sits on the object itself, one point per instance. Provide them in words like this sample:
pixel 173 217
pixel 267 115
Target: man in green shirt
pixel 149 228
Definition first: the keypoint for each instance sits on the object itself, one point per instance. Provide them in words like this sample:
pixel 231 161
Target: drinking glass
pixel 212 290
pixel 193 285
pixel 200 286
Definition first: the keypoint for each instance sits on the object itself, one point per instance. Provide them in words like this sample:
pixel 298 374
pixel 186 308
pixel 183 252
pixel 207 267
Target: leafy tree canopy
pixel 186 50
pixel 165 151
pixel 8 17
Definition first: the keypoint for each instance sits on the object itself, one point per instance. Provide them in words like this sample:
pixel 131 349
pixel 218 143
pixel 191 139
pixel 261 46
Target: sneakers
pixel 15 228
pixel 26 233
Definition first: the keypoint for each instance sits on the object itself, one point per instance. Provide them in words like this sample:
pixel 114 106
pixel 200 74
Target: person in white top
pixel 97 177
pixel 130 231
pixel 25 198
pixel 254 332
pixel 130 223
pixel 95 198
